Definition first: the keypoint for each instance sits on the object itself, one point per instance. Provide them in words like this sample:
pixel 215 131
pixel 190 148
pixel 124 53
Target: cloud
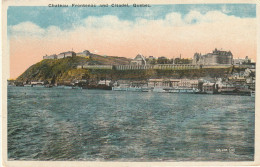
pixel 94 23
pixel 174 19
pixel 193 17
pixel 26 28
pixel 224 9
pixel 107 21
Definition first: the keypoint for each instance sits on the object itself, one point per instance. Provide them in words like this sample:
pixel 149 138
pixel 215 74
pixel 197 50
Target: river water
pixel 60 124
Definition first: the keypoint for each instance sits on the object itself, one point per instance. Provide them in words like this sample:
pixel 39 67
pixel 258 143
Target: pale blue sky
pixel 64 17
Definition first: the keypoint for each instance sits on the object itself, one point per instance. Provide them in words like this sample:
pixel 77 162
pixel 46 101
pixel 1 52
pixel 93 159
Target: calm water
pixel 59 124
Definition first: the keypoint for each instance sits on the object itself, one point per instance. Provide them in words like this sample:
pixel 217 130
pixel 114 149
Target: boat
pixel 67 87
pixel 160 90
pixel 38 86
pixel 27 85
pixel 252 93
pixel 175 90
pixel 76 87
pixel 236 92
pixel 146 89
pixel 134 89
pixel 131 89
pixel 119 88
pixel 184 90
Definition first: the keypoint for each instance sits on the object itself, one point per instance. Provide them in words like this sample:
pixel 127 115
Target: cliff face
pixel 65 69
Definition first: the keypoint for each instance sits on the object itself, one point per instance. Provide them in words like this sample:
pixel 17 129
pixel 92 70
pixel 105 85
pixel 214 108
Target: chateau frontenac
pixel 214 58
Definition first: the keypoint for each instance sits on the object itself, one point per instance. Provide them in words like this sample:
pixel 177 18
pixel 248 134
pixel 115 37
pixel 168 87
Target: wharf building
pixel 173 83
pixel 209 88
pixel 217 57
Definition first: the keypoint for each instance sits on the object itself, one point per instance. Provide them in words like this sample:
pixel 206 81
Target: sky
pixel 161 30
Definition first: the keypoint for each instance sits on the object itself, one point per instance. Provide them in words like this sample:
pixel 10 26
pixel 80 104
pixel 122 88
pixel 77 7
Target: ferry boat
pixel 252 93
pixel 160 90
pixel 237 92
pixel 175 90
pixel 134 89
pixel 184 90
pixel 119 88
pixel 68 87
pixel 131 89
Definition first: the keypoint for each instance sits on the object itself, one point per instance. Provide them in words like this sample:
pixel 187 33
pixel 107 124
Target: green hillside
pixel 65 69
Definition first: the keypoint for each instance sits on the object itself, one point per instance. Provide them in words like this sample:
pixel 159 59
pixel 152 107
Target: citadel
pixel 217 58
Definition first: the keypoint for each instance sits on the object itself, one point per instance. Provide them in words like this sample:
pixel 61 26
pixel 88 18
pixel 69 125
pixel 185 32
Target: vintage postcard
pixel 127 83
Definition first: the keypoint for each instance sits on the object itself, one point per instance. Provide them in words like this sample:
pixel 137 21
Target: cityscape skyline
pixel 162 30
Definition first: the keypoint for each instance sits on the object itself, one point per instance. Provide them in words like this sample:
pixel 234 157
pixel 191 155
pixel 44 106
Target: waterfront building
pixel 250 82
pixel 230 88
pixel 138 83
pixel 122 83
pixel 209 88
pixel 173 83
pixel 188 83
pixel 237 79
pixel 138 60
pixel 226 87
pixel 104 82
pixel 160 83
pixel 249 72
pixel 215 58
